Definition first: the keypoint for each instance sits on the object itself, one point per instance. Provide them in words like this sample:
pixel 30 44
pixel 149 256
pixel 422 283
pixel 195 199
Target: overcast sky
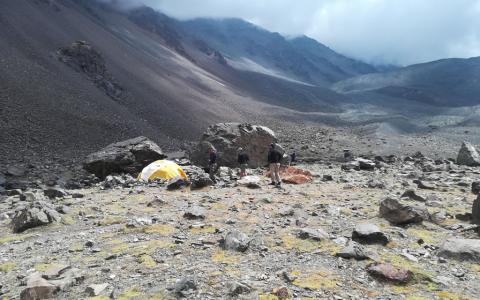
pixel 377 31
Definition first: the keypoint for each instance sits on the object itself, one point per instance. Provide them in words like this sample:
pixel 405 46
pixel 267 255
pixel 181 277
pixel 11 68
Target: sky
pixel 399 32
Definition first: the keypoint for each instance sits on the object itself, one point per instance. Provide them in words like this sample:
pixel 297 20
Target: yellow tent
pixel 163 169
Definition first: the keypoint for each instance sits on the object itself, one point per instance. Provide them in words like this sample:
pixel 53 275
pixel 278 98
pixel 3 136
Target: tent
pixel 163 169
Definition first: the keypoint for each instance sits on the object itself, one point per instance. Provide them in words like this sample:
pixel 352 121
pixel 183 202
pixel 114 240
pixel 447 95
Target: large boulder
pixel 35 214
pixel 461 249
pixel 400 214
pixel 468 155
pixel 228 137
pixel 129 156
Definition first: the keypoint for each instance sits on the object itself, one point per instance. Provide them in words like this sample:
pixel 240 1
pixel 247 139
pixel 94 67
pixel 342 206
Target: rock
pixel 390 273
pixel 376 184
pixel 236 288
pixel 55 271
pixel 176 183
pixel 313 234
pixel 195 213
pixel 468 155
pixel 184 286
pixel 38 288
pixel 16 171
pixel 95 289
pixel 68 278
pixel 399 214
pixel 412 195
pixel 476 187
pixel 327 177
pixel 369 234
pixel 476 211
pixel 228 137
pixel 198 177
pixel 129 156
pixel 236 241
pixel 252 182
pixel 424 185
pixel 359 164
pixel 281 293
pixel 461 249
pixel 353 250
pixel 55 192
pixel 37 213
pixel 2 180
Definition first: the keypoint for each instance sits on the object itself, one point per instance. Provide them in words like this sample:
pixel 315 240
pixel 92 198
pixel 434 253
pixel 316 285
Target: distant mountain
pixel 252 48
pixel 447 82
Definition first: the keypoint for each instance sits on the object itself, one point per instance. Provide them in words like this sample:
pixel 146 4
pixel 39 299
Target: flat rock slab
pixel 390 273
pixel 461 249
pixel 353 250
pixel 195 213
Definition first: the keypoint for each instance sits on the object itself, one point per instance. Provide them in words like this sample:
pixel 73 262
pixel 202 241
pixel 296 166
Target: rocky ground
pixel 124 240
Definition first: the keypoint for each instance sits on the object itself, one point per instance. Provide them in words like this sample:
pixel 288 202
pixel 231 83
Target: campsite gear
pixel 161 169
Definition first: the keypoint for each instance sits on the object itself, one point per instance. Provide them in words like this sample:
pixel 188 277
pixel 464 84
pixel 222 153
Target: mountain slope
pixel 255 49
pixel 448 82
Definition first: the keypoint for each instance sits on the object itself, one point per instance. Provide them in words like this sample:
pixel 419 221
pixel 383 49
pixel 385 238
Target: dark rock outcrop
pixel 369 234
pixel 226 138
pixel 129 156
pixel 476 211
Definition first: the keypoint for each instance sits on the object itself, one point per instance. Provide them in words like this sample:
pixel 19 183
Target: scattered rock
pixel 313 234
pixel 476 187
pixel 399 214
pixel 95 289
pixel 461 249
pixel 198 177
pixel 424 185
pixel 185 286
pixel 236 288
pixel 38 288
pixel 412 195
pixel 129 156
pixel 228 137
pixel 252 182
pixel 195 213
pixel 390 273
pixel 281 293
pixel 176 183
pixel 369 234
pixel 353 250
pixel 37 213
pixel 468 155
pixel 236 241
pixel 16 171
pixel 55 192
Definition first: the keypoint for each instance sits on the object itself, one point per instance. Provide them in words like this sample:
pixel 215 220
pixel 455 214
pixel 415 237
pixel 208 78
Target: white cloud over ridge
pixel 377 31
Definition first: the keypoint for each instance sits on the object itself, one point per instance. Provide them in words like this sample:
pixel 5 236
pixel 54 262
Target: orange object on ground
pixel 294 175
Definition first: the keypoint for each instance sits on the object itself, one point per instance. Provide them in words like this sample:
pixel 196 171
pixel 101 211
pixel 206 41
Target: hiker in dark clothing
pixel 212 163
pixel 293 158
pixel 274 158
pixel 243 160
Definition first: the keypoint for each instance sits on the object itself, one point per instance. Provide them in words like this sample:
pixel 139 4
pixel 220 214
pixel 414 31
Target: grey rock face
pixel 468 155
pixel 38 288
pixel 129 156
pixel 195 213
pixel 236 241
pixel 476 187
pixel 237 288
pixel 461 249
pixel 399 214
pixel 37 213
pixel 198 177
pixel 369 234
pixel 184 286
pixel 228 137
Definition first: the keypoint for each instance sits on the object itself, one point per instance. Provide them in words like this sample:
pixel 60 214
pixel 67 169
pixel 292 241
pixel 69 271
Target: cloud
pixel 377 31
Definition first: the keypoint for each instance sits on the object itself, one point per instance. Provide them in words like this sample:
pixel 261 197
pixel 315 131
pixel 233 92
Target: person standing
pixel 274 158
pixel 212 163
pixel 243 160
